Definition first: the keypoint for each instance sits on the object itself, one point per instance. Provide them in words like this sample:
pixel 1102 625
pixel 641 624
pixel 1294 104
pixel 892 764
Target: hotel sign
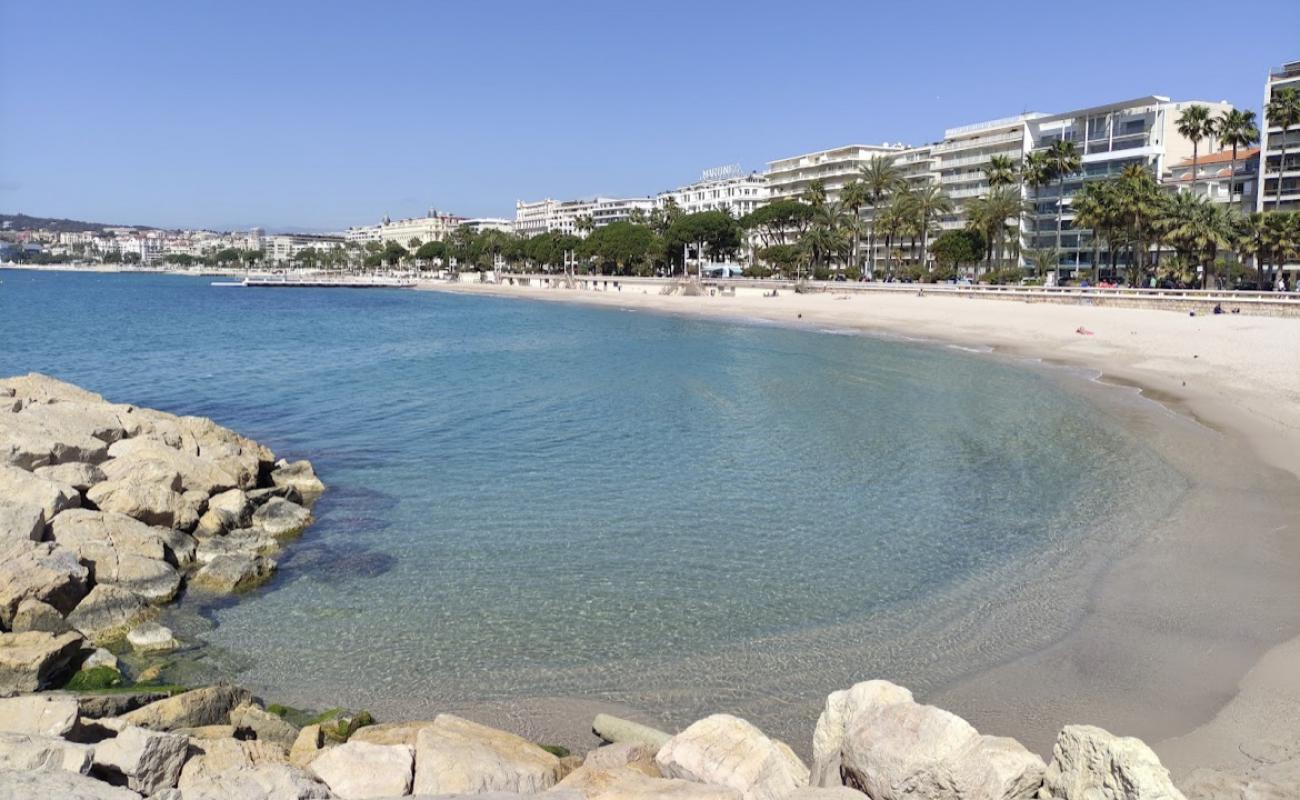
pixel 722 173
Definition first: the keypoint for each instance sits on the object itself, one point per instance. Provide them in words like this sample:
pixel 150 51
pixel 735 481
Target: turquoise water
pixel 534 500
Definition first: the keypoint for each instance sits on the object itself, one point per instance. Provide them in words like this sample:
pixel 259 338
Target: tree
pixel 778 222
pixel 432 251
pixel 1138 204
pixel 989 215
pixel 827 236
pixel 1037 174
pixel 1063 160
pixel 1096 209
pixel 1000 171
pixel 928 204
pixel 393 253
pixel 1195 124
pixel 785 257
pixel 414 244
pixel 1236 129
pixel 853 197
pixel 1043 258
pixel 1198 228
pixel 131 258
pixel 714 232
pixel 1282 111
pixel 815 194
pixel 620 245
pixel 954 248
pixel 584 224
pixel 881 178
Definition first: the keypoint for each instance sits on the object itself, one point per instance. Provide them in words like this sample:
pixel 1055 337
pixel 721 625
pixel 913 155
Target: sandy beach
pixel 1190 637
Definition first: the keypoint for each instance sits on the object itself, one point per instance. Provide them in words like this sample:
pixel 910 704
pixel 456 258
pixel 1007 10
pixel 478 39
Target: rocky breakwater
pixel 871 741
pixel 108 511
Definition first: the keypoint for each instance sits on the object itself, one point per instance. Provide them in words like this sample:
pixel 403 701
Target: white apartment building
pixel 1220 178
pixel 1108 138
pixel 789 178
pixel 564 216
pixel 480 224
pixel 1286 76
pixel 719 189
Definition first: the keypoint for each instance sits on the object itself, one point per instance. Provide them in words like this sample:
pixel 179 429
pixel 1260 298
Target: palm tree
pixel 1282 111
pixel 1195 124
pixel 1036 174
pixel 1236 129
pixel 1198 228
pixel 881 179
pixel 1252 241
pixel 1138 203
pixel 1043 258
pixel 1064 160
pixel 825 237
pixel 1000 171
pixel 989 215
pixel 928 204
pixel 1095 210
pixel 853 197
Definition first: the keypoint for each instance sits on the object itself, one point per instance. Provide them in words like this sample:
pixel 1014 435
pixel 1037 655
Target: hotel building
pixel 565 216
pixel 1271 169
pixel 432 227
pixel 789 178
pixel 721 189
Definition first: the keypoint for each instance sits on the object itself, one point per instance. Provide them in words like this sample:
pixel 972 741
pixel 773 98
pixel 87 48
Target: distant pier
pixel 321 283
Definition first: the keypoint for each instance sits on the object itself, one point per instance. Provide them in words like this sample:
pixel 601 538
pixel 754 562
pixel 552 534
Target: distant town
pixel 1187 191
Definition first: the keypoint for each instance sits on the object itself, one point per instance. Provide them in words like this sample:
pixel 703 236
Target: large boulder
pixel 210 705
pixel 22 521
pixel 225 512
pixel 265 782
pixel 38 715
pixel 36 660
pixel 35 615
pixel 20 487
pixel 456 755
pixel 360 770
pixel 842 707
pixel 728 751
pixel 37 388
pixel 76 474
pixel 94 419
pixel 151 503
pixel 249 719
pixel 108 612
pixel 233 572
pixel 909 751
pixel 143 760
pixel 308 745
pixel 1089 763
pixel 300 475
pixel 124 551
pixel 212 757
pixel 196 473
pixel 42 571
pixel 36 752
pixel 30 784
pixel 238 455
pixel 28 442
pixel 281 518
pixel 150 637
pixel 626 783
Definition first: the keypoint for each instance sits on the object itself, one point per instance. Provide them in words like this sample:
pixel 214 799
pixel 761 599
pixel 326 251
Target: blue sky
pixel 318 115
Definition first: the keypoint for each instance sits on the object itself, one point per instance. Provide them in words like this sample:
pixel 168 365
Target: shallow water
pixel 529 500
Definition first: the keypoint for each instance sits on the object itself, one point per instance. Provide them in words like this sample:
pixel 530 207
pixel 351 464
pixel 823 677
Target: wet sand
pixel 1187 638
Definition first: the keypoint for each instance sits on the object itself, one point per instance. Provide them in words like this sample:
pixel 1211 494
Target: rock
pixel 226 511
pixel 1278 780
pixel 625 783
pixel 728 751
pixel 241 541
pixel 233 572
pixel 36 660
pixel 193 504
pixel 108 612
pixel 21 487
pixel 266 782
pixel 85 420
pixel 21 521
pixel 150 637
pixel 825 793
pixel 99 705
pixel 100 658
pixel 237 455
pixel 33 615
pixel 196 473
pixel 77 474
pixel 124 551
pixel 360 770
pixel 148 471
pixel 281 518
pixel 150 503
pixel 37 387
pixel 60 783
pixel 300 475
pixel 267 727
pixel 211 757
pixel 24 751
pixel 38 715
pixel 208 732
pixel 614 729
pixel 207 706
pixel 893 751
pixel 456 755
pixel 1089 763
pixel 28 442
pixel 40 571
pixel 841 708
pixel 307 745
pixel 633 755
pixel 145 761
pixel 391 733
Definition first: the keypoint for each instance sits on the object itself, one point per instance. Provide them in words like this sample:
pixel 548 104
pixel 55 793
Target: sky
pixel 320 115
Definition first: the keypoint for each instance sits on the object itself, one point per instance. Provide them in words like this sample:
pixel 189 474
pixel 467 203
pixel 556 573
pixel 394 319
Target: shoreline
pixel 1259 693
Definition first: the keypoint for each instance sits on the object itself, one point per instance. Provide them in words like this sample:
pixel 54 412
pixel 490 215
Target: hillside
pixel 17 222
